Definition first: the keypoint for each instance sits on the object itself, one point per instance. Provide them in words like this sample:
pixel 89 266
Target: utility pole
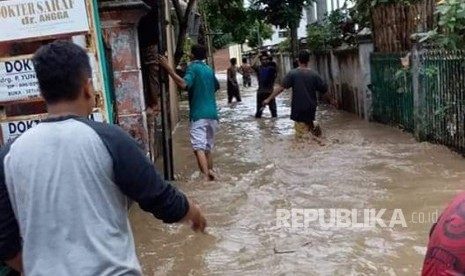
pixel 211 60
pixel 168 166
pixel 208 40
pixel 321 10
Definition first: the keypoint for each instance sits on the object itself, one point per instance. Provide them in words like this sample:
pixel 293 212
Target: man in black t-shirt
pixel 305 84
pixel 266 75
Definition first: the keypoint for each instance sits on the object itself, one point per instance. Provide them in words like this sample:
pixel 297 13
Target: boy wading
pixel 246 71
pixel 305 84
pixel 201 84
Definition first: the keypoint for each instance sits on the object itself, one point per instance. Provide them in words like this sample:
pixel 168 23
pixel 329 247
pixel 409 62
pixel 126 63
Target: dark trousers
pixel 273 109
pixel 247 81
pixel 234 92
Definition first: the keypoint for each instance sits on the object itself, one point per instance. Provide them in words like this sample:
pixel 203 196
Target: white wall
pixel 235 52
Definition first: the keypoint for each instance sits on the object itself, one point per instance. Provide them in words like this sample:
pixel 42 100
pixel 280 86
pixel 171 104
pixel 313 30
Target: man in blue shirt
pixel 266 75
pixel 201 84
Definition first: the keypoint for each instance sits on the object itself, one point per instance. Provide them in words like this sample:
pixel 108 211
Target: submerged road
pixel 260 168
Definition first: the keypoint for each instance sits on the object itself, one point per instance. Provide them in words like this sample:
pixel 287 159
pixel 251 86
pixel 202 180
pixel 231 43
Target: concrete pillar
pixel 173 100
pixel 365 49
pixel 321 7
pixel 418 67
pixel 119 22
pixel 311 18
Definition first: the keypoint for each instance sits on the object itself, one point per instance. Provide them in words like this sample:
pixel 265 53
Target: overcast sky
pixel 302 32
pixel 328 3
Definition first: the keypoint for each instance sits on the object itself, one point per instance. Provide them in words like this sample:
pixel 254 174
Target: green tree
pixel 452 22
pixel 284 14
pixel 337 28
pixel 284 46
pixel 182 17
pixel 229 21
pixel 259 32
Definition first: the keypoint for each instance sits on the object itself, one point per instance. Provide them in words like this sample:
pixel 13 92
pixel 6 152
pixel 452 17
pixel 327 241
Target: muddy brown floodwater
pixel 260 168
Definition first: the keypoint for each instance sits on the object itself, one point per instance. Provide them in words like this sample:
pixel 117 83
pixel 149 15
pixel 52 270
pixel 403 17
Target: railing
pixel 439 113
pixel 392 91
pixel 444 101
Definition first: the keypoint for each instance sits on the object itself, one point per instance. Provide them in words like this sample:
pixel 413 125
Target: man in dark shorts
pixel 305 84
pixel 66 184
pixel 233 86
pixel 266 75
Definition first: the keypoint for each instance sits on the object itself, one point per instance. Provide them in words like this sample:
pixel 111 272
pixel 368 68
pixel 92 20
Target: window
pixel 283 33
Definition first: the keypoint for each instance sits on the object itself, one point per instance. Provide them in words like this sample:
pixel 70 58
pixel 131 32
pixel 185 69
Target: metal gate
pixel 392 91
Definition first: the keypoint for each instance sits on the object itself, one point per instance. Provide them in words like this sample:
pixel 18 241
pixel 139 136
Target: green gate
pixel 444 100
pixel 392 91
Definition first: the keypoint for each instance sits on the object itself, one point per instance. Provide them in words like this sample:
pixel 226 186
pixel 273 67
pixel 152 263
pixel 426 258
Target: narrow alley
pixel 260 168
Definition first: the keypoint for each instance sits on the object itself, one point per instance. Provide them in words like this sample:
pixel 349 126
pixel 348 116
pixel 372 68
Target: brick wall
pixel 221 59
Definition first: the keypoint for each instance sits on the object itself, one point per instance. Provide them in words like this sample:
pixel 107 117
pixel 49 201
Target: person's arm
pixel 286 84
pixel 276 91
pixel 180 82
pixel 255 60
pixel 10 239
pixel 256 63
pixel 241 70
pixel 137 178
pixel 275 74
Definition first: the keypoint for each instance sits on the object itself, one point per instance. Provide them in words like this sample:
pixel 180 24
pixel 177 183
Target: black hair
pixel 304 57
pixel 199 52
pixel 244 60
pixel 233 61
pixel 62 68
pixel 295 64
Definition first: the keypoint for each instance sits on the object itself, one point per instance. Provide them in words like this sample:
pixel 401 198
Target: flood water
pixel 261 168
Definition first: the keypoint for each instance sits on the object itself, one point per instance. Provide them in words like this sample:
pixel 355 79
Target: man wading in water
pixel 266 75
pixel 305 84
pixel 233 85
pixel 246 71
pixel 66 183
pixel 201 84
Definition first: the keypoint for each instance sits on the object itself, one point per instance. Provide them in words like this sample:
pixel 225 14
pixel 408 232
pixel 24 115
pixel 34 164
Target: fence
pixel 427 99
pixel 392 91
pixel 444 102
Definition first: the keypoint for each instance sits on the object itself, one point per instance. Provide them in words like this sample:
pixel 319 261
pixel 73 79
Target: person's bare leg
pixel 210 165
pixel 209 159
pixel 202 161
